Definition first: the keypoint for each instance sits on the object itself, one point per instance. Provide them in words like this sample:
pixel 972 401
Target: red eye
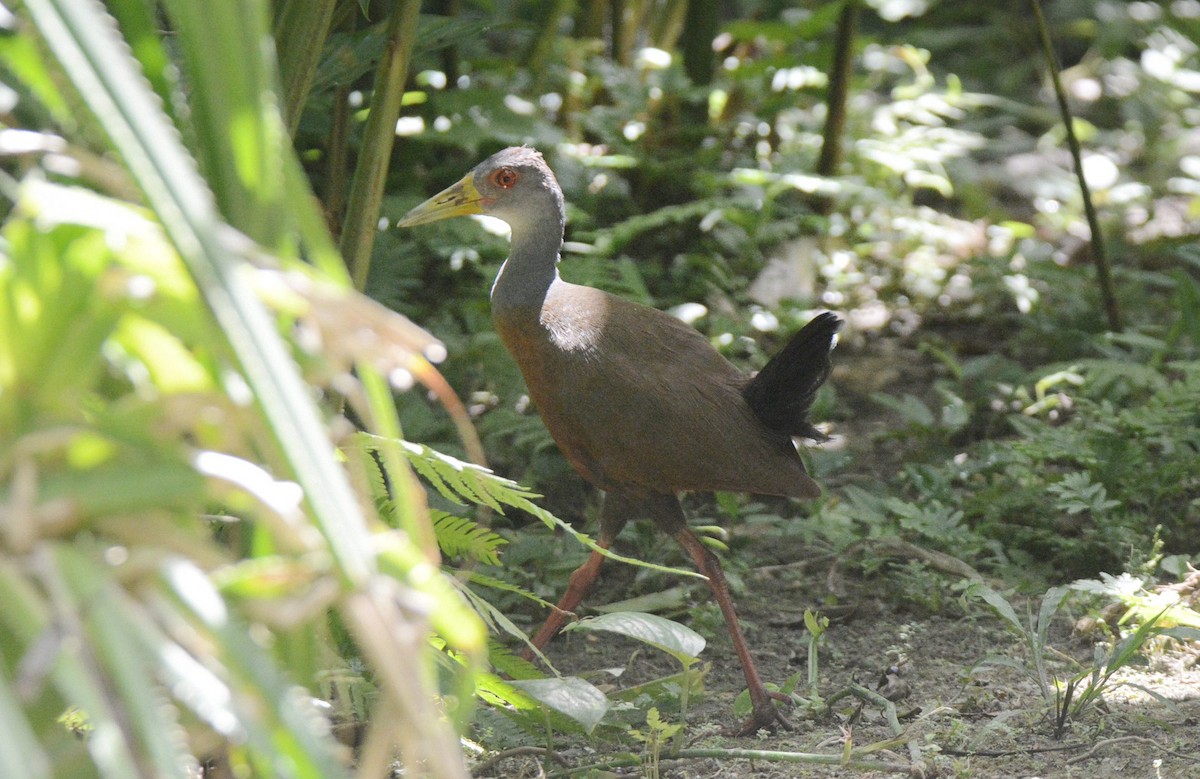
pixel 505 178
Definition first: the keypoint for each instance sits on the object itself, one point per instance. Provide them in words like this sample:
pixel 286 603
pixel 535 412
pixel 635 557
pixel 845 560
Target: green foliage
pixel 1081 484
pixel 133 337
pixel 463 538
pixel 658 734
pixel 810 703
pixel 1026 442
pixel 1070 696
pixel 1076 495
pixel 1033 631
pixel 1146 605
pixel 182 548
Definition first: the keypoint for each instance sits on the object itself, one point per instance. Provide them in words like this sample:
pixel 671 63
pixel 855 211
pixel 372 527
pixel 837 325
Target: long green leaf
pixel 366 190
pixel 240 140
pixel 20 753
pixel 1050 603
pixel 300 30
pixel 1001 606
pixel 84 42
pixel 160 744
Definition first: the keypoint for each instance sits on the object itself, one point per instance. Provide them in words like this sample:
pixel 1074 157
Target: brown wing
pixel 641 402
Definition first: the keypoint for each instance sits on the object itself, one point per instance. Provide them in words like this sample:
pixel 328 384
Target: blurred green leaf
pixel 20 752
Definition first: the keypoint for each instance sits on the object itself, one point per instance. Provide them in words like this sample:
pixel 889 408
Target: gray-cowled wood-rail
pixel 639 402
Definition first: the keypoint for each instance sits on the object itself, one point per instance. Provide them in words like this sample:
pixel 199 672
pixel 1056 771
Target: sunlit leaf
pixel 569 695
pixel 679 641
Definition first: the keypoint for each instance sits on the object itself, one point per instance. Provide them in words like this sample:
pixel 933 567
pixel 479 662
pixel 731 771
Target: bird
pixel 638 401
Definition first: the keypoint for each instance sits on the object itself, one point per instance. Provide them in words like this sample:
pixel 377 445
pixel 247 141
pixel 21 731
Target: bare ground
pixel 962 718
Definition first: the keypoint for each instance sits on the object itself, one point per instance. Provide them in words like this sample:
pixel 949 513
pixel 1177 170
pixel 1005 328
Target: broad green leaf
pixel 172 366
pixel 679 641
pixel 1181 633
pixel 570 696
pixel 121 487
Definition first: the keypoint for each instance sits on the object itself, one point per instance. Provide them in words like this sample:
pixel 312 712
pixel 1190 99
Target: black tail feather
pixel 782 393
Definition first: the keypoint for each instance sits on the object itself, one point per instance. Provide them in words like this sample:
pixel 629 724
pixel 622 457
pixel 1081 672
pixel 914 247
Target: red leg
pixel 613 515
pixel 765 714
pixel 581 582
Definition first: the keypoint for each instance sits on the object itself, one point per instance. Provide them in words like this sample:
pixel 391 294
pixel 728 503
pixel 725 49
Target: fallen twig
pixel 1127 739
pixel 497 758
pixel 1008 752
pixel 898 547
pixel 766 755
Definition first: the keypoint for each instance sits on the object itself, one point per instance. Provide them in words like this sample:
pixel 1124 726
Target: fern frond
pixel 460 537
pixel 1117 379
pixel 496 620
pixel 491 582
pixel 512 665
pixel 371 469
pixel 459 481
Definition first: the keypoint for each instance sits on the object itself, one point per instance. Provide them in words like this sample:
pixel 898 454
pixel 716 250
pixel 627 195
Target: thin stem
pixel 839 90
pixel 366 191
pixel 1103 272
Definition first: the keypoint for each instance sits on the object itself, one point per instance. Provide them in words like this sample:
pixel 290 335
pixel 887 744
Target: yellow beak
pixel 458 199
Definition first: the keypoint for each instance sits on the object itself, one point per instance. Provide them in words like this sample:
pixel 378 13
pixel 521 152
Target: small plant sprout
pixel 657 734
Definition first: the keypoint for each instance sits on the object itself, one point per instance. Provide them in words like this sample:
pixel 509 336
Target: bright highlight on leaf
pixel 571 696
pixel 679 641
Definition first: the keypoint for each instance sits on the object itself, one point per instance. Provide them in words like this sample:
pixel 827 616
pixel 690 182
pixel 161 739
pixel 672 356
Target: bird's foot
pixel 767 716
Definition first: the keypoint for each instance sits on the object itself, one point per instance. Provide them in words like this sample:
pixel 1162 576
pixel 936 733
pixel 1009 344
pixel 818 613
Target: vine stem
pixel 1099 256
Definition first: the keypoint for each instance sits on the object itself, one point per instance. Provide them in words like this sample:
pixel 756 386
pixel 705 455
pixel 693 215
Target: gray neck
pixel 532 264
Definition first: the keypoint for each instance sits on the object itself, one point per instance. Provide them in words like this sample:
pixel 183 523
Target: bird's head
pixel 514 185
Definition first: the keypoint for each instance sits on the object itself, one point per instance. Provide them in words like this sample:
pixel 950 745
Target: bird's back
pixel 640 402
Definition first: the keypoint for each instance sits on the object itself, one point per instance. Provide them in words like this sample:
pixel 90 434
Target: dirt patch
pixel 967 720
pixel 964 718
